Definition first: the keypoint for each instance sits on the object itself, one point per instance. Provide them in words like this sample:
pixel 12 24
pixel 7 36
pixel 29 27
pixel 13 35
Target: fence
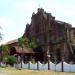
pixel 54 67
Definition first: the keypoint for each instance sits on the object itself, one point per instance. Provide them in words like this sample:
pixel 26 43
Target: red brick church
pixel 54 38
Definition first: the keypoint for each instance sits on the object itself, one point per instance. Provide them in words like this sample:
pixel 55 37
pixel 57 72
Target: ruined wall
pixel 50 34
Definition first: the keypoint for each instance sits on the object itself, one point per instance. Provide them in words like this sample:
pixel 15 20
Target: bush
pixel 11 60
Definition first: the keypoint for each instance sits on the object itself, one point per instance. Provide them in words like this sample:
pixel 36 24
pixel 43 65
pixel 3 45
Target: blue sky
pixel 15 14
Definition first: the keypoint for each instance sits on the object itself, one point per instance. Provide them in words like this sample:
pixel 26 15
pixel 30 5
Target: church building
pixel 55 39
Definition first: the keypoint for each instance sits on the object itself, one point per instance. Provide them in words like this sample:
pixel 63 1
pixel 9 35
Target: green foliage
pixel 4 48
pixel 24 41
pixel 32 44
pixel 10 60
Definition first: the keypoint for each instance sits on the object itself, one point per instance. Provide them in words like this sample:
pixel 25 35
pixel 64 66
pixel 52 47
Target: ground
pixel 13 71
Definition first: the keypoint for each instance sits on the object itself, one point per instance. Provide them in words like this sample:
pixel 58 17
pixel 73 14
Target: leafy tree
pixel 3 52
pixel 23 41
pixel 32 44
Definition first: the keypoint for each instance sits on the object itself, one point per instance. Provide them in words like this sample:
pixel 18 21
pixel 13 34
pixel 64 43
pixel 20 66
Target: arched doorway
pixel 12 50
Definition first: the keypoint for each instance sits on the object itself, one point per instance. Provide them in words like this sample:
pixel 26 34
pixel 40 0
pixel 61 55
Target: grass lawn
pixel 13 71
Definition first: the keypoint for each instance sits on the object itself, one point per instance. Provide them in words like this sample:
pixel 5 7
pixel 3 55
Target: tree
pixel 23 41
pixel 3 52
pixel 32 44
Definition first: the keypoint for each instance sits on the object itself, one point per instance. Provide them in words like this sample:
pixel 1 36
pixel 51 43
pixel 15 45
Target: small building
pixel 24 54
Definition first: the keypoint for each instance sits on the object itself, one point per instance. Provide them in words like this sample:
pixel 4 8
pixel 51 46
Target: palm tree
pixel 25 42
pixel 22 42
pixel 32 44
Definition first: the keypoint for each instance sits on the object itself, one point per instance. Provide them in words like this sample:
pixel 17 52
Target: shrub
pixel 11 60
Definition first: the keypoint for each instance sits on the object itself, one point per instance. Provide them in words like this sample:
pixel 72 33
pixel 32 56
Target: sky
pixel 15 14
